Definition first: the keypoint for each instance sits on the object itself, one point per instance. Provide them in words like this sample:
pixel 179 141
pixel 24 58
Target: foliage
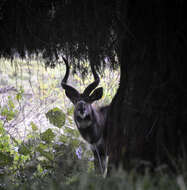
pixel 6 157
pixel 51 37
pixel 56 117
pixel 40 153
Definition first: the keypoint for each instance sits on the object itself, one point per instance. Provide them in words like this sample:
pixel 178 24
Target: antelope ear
pixel 72 94
pixel 96 95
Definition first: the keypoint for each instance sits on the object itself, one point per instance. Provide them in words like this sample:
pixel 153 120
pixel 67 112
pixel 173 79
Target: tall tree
pixel 150 126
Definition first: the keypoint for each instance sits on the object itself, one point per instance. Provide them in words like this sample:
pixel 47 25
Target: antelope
pixel 89 120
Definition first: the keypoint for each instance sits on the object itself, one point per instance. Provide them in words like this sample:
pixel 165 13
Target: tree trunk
pixel 147 120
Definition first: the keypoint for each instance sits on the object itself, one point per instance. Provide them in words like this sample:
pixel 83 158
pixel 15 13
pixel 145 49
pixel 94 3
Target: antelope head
pixel 83 113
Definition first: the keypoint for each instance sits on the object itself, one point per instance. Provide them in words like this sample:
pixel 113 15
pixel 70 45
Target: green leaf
pixel 48 136
pixel 39 168
pixel 5 159
pixel 71 132
pixel 42 146
pixel 56 117
pixel 10 103
pixel 24 150
pixel 2 130
pixel 9 114
pixel 46 154
pixel 19 95
pixel 75 142
pixel 70 111
pixel 63 139
pixel 34 126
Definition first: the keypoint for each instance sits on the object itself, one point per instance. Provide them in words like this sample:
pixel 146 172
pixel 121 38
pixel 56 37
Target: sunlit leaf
pixel 34 126
pixel 19 95
pixel 10 103
pixel 46 154
pixel 70 110
pixel 8 113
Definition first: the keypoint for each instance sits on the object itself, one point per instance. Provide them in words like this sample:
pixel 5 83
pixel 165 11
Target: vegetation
pixel 39 145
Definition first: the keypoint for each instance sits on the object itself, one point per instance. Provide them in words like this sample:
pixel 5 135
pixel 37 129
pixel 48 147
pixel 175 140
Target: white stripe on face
pixel 82 115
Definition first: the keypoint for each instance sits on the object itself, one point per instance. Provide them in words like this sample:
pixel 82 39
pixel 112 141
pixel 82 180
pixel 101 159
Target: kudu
pixel 89 120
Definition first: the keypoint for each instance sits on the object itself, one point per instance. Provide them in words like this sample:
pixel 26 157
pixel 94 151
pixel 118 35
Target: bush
pixel 41 154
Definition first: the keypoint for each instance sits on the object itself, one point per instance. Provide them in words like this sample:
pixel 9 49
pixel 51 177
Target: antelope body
pixel 90 121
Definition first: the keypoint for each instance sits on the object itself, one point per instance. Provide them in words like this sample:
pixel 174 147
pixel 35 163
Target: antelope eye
pixel 79 119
